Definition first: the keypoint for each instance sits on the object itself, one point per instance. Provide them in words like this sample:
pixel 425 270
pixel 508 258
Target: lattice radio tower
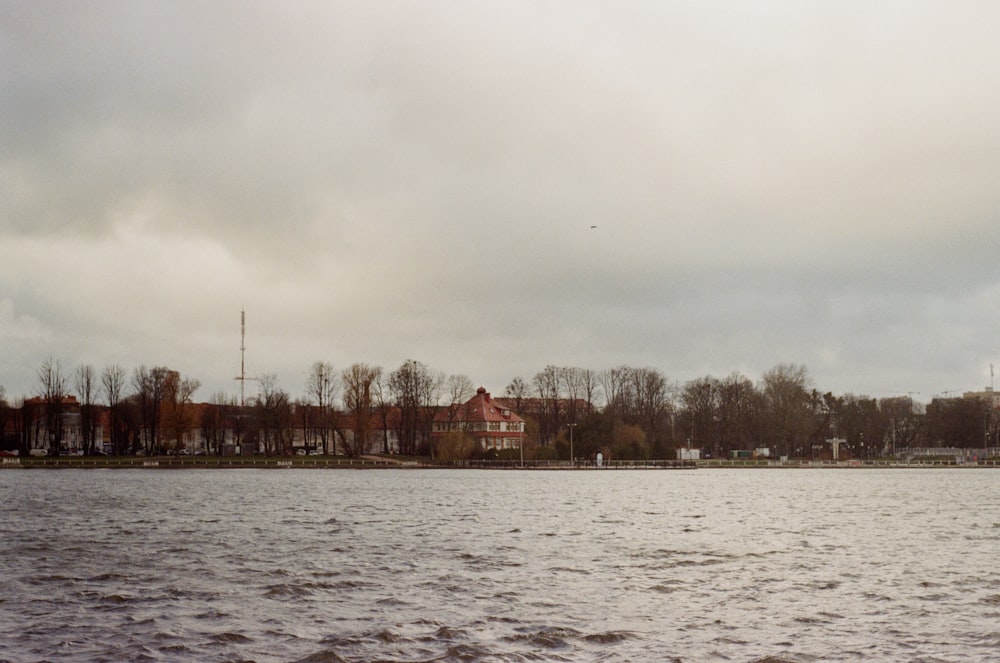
pixel 242 379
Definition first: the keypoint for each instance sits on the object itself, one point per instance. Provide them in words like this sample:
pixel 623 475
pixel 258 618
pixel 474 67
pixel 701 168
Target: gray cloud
pixel 378 181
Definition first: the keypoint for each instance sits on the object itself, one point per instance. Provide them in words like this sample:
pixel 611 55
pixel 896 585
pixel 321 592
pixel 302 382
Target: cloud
pixel 376 182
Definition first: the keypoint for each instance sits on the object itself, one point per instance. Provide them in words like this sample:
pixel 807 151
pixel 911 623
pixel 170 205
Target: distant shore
pixel 390 462
pixel 315 462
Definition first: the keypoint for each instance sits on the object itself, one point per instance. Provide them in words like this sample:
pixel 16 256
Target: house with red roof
pixel 493 425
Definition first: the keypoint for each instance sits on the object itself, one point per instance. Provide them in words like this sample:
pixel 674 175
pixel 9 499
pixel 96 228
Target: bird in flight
pixel 593 227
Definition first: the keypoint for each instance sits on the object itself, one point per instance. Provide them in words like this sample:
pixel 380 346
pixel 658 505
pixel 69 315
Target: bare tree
pixel 7 414
pixel 52 390
pixel 85 381
pixel 359 403
pixel 113 384
pixel 148 385
pixel 958 422
pixel 653 405
pixel 415 390
pixel 904 425
pixel 214 417
pixel 615 384
pixel 179 414
pixel 790 420
pixel 548 385
pixel 459 389
pixel 273 411
pixel 589 383
pixel 518 391
pixel 573 380
pixel 701 402
pixel 638 397
pixel 322 386
pixel 739 413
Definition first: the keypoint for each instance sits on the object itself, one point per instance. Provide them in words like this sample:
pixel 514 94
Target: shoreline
pixel 378 462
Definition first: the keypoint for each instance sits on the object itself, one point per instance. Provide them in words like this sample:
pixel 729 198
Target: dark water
pixel 415 565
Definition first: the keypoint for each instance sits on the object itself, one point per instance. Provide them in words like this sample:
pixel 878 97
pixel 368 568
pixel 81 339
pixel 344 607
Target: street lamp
pixel 571 427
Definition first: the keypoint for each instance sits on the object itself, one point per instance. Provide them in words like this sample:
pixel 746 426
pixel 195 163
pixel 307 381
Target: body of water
pixel 471 565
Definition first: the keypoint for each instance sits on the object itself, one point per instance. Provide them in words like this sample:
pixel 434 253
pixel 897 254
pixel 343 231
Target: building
pixel 489 422
pixel 687 453
pixel 47 425
pixel 988 396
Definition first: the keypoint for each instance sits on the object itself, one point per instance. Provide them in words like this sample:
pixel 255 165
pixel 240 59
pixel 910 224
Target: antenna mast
pixel 242 379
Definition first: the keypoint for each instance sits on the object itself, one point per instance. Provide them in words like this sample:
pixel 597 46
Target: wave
pixel 229 637
pixel 322 656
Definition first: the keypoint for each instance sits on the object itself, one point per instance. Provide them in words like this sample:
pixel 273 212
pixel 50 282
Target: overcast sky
pixel 771 182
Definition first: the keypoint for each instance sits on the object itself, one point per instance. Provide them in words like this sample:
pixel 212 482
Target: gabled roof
pixel 480 407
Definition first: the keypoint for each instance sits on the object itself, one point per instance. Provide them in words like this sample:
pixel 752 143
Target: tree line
pixel 627 412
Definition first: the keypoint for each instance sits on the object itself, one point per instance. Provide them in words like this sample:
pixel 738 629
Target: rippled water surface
pixel 423 565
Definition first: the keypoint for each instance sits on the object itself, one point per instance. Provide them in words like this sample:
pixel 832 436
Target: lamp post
pixel 520 446
pixel 986 428
pixel 571 427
